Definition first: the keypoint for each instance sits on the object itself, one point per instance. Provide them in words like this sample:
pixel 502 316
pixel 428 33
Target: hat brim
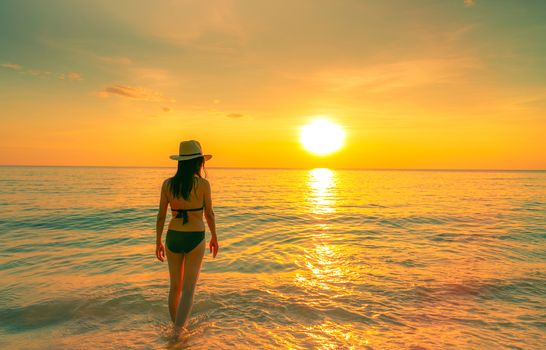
pixel 178 157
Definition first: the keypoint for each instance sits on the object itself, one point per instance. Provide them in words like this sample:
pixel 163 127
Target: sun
pixel 322 137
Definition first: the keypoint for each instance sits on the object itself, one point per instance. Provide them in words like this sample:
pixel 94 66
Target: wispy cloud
pixel 74 76
pixel 71 76
pixel 387 76
pixel 38 73
pixel 235 115
pixel 135 93
pixel 11 66
pixel 469 3
pixel 223 24
pixel 124 61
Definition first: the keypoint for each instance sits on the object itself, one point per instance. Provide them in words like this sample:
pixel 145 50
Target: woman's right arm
pixel 160 222
pixel 209 215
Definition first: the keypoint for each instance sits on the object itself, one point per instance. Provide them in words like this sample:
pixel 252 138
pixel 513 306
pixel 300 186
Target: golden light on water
pixel 325 269
pixel 320 260
pixel 321 181
pixel 322 136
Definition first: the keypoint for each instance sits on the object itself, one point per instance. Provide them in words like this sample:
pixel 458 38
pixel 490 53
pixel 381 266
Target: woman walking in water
pixel 189 195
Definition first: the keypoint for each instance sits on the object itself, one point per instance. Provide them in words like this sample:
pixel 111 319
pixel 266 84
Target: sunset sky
pixel 414 84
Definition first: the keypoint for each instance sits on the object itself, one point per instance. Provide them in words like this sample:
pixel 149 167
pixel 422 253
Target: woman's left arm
pixel 161 216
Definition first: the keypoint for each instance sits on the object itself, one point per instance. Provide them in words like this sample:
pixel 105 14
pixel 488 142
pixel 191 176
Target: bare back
pixel 195 200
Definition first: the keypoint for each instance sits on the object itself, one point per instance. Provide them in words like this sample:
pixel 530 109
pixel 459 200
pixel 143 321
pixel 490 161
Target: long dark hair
pixel 182 183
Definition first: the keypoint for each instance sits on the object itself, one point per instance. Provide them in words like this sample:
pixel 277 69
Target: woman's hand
pixel 213 246
pixel 160 251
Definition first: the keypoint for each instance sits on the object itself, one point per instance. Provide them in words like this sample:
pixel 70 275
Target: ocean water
pixel 309 259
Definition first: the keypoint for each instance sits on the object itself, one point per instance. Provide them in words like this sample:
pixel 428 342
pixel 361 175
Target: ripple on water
pixel 315 259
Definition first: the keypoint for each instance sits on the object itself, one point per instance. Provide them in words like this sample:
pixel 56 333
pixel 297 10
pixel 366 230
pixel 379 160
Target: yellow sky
pixel 415 84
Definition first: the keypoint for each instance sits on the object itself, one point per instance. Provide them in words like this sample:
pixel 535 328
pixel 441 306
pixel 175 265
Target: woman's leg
pixel 176 270
pixel 192 268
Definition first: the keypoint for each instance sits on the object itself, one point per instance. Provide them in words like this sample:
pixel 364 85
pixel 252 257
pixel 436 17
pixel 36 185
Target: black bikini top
pixel 183 213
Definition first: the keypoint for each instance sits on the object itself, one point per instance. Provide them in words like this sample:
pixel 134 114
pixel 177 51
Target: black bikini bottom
pixel 183 241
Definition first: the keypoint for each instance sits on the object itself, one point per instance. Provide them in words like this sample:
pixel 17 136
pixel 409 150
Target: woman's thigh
pixel 192 266
pixel 176 267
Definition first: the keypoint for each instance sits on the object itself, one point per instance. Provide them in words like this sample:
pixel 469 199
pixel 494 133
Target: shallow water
pixel 321 259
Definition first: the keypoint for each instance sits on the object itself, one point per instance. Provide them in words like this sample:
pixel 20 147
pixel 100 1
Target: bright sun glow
pixel 322 137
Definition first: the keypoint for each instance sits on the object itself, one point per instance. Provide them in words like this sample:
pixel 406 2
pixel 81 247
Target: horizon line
pixel 280 168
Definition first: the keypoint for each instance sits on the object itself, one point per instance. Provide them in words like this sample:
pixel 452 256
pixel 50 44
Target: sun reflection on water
pixel 326 271
pixel 320 267
pixel 321 181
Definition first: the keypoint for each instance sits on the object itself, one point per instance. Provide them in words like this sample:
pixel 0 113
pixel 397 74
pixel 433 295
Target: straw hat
pixel 189 150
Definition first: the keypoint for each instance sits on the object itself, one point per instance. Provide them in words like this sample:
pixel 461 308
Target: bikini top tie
pixel 183 213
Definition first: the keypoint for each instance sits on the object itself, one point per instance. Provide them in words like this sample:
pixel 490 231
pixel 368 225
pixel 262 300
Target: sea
pixel 309 259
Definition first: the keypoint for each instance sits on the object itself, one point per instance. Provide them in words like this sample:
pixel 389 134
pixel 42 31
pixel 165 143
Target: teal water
pixel 309 259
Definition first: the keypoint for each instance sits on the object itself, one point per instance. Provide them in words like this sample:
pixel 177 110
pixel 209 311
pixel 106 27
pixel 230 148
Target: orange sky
pixel 415 84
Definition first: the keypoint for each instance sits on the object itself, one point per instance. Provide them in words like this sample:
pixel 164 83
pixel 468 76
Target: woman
pixel 190 196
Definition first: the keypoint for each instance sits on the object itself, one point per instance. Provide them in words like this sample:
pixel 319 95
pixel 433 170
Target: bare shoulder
pixel 165 184
pixel 204 181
